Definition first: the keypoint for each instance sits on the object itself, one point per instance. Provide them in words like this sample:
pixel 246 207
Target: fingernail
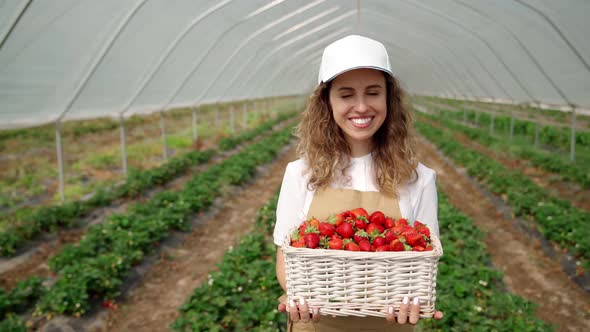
pixel 316 311
pixel 416 301
pixel 391 310
pixel 405 300
pixel 291 303
pixel 301 300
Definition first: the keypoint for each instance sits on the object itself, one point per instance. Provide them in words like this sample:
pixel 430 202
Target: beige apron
pixel 332 200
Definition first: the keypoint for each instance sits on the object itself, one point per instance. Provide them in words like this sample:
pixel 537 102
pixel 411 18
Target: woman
pixel 355 148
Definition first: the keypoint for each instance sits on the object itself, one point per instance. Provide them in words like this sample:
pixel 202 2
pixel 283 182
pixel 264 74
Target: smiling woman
pixel 355 146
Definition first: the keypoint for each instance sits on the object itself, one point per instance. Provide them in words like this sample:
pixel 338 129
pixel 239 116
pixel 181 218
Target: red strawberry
pixel 379 241
pixel 312 240
pixel 424 231
pixel 300 243
pixel 360 235
pixel 397 245
pixel 359 212
pixel 389 223
pixel 335 243
pixel 389 236
pixel 374 229
pixel 345 230
pixel 346 215
pixel 384 247
pixel 326 229
pixel 335 219
pixel 377 217
pixel 418 248
pixel 360 223
pixel 413 239
pixel 418 224
pixel 351 246
pixel 428 248
pixel 365 245
pixel 401 221
pixel 314 223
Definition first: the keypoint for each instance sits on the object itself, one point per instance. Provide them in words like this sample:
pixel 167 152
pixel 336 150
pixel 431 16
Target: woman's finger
pixel 390 315
pixel 316 314
pixel 438 315
pixel 415 311
pixel 402 315
pixel 303 310
pixel 293 311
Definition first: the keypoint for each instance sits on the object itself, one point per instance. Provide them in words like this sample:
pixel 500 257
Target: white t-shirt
pixel 417 200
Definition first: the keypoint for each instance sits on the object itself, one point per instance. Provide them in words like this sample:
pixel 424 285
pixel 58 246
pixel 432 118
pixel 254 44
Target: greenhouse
pixel 148 151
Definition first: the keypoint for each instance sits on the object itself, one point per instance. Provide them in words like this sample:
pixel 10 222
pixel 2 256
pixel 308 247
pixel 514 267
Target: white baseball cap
pixel 353 52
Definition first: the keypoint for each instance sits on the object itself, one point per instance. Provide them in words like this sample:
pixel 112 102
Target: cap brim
pixel 359 67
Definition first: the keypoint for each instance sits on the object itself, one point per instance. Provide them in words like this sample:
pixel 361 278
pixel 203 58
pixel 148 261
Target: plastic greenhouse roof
pixel 66 59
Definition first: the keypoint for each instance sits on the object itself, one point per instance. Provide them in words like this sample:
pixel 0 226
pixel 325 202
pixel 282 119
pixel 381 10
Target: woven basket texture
pixel 349 283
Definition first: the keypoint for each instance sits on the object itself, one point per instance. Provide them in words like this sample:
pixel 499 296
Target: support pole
pixel 245 114
pixel 60 163
pixel 573 136
pixel 123 144
pixel 195 130
pixel 492 124
pixel 163 129
pixel 511 124
pixel 255 111
pixel 216 111
pixel 231 118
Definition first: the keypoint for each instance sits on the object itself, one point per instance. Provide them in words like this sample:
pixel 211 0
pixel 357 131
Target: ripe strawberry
pixel 314 223
pixel 374 229
pixel 312 240
pixel 413 239
pixel 397 245
pixel 401 221
pixel 300 243
pixel 345 230
pixel 360 223
pixel 389 236
pixel 346 215
pixel 335 243
pixel 365 245
pixel 360 235
pixel 382 248
pixel 295 236
pixel 418 224
pixel 389 223
pixel 377 217
pixel 326 229
pixel 335 219
pixel 351 246
pixel 424 231
pixel 378 241
pixel 359 212
pixel 428 248
pixel 418 248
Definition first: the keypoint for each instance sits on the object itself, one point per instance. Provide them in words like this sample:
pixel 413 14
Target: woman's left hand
pixel 408 312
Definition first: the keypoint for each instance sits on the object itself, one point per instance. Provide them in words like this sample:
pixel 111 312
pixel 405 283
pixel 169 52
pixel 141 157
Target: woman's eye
pixel 346 96
pixel 373 93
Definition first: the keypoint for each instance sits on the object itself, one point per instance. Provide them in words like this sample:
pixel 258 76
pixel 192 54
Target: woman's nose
pixel 362 105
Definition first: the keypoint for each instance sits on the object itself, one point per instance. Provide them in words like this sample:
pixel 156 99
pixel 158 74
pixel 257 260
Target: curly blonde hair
pixel 323 146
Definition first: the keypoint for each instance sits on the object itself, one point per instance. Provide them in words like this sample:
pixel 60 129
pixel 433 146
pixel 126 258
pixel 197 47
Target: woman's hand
pixel 299 311
pixel 408 312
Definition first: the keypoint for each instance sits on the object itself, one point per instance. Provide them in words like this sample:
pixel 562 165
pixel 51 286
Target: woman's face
pixel 359 105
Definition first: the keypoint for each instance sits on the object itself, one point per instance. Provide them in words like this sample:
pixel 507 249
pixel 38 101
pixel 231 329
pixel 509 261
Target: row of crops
pixel 555 218
pixel 93 270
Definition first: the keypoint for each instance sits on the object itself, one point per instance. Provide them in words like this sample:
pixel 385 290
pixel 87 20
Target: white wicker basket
pixel 357 283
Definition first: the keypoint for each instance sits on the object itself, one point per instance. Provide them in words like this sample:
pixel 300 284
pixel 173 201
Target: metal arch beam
pixel 478 37
pixel 172 46
pixel 297 38
pixel 15 23
pixel 256 33
pixel 477 59
pixel 101 56
pixel 264 48
pixel 525 49
pixel 559 32
pixel 469 73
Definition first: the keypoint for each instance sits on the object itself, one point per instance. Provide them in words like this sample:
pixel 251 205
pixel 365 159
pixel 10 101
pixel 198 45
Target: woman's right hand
pixel 299 311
